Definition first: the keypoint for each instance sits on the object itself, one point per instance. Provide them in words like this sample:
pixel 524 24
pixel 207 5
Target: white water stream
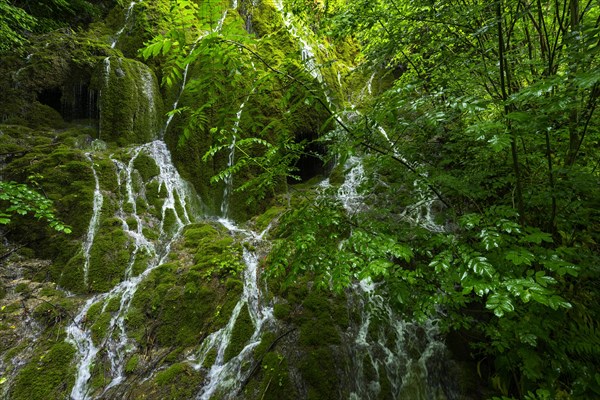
pixel 223 376
pixel 127 17
pixel 93 225
pixel 177 201
pixel 230 161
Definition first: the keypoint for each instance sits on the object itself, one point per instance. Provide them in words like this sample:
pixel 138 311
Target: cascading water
pixel 226 376
pixel 106 73
pixel 93 226
pixel 419 213
pixel 348 193
pixel 298 32
pixel 406 356
pixel 177 203
pixel 391 358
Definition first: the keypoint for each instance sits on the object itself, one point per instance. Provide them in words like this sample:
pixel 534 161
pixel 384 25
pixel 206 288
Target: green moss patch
pixel 241 333
pixel 50 376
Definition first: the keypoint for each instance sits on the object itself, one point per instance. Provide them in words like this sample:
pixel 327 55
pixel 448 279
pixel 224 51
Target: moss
pixel 153 197
pixel 130 103
pixel 179 381
pixel 109 256
pixel 197 232
pixel 282 311
pixel 71 276
pixel 22 287
pixel 113 304
pixel 234 285
pixel 132 364
pixel 100 327
pixel 241 333
pixel 150 233
pixel 52 314
pixel 169 222
pixel 50 376
pixel 177 306
pixel 146 167
pixel 319 371
pixel 265 219
pixel 132 223
pixel 94 311
pixel 275 382
pixel 141 262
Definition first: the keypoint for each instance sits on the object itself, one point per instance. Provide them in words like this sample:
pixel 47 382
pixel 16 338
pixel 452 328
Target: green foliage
pixel 18 19
pixel 21 200
pixel 13 20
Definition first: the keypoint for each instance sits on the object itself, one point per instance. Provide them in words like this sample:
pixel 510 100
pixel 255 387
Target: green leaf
pixel 520 257
pixel 481 266
pixel 469 221
pixel 499 142
pixel 556 302
pixel 536 236
pixel 500 304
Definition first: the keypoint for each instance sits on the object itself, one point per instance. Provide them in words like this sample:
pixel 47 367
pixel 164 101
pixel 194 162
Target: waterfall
pixel 382 345
pixel 300 33
pixel 229 375
pixel 386 348
pixel 419 213
pixel 106 70
pixel 93 225
pixel 177 202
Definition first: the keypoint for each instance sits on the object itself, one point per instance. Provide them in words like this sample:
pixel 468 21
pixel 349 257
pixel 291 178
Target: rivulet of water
pixel 128 14
pixel 226 377
pixel 93 225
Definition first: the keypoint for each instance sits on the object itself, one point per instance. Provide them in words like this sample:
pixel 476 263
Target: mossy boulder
pixel 130 101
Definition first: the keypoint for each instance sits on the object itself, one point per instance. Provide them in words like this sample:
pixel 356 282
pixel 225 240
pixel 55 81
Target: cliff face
pixel 154 294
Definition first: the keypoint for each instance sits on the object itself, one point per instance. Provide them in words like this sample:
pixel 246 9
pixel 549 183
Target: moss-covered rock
pixel 50 376
pixel 241 333
pixel 130 104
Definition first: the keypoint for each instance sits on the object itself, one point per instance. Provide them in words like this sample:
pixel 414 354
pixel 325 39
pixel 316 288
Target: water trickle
pixel 227 376
pixel 185 72
pixel 230 161
pixel 370 83
pixel 107 67
pixel 127 16
pixel 93 225
pixel 300 33
pixel 419 213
